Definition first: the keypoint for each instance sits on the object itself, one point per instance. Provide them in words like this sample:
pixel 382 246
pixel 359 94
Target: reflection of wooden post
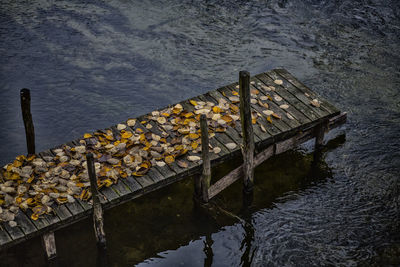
pixel 97 209
pixel 49 244
pixel 248 136
pixel 27 117
pixel 206 175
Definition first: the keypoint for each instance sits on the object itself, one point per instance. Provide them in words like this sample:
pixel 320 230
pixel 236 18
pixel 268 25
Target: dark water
pixel 90 64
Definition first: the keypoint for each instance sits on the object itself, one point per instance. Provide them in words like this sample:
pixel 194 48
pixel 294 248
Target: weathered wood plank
pixel 324 104
pixel 288 99
pixel 275 149
pixel 14 232
pixel 304 108
pixel 275 106
pixel 258 134
pixel 297 93
pixel 271 128
pixel 165 170
pixel 4 237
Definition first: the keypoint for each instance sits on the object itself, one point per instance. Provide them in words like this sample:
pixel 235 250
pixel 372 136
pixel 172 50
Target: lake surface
pixel 91 64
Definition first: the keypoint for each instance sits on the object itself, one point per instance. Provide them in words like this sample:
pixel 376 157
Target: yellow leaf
pixel 194 103
pixel 169 159
pixel 165 114
pixel 269 119
pixel 87 135
pixel 127 134
pixel 276 116
pixel 217 109
pixel 193 136
pixel 17 163
pixel 34 216
pixel 254 120
pixel 138 130
pixel 194 145
pixel 235 93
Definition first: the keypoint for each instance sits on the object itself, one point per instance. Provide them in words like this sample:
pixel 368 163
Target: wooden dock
pixel 299 115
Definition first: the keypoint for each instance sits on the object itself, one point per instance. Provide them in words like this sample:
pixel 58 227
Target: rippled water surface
pixel 90 64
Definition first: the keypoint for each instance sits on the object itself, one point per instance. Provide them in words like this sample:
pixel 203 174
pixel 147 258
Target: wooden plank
pixel 4 237
pixel 305 109
pixel 288 99
pixel 324 104
pixel 132 184
pixel 25 223
pixel 165 170
pixel 272 128
pixel 14 232
pixel 223 138
pixel 258 134
pixel 174 168
pixel 230 131
pixel 144 181
pixel 275 106
pixel 62 212
pixel 275 149
pixel 297 93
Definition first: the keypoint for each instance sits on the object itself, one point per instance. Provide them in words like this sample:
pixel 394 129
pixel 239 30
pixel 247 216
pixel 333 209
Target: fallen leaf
pixel 278 82
pixel 182 164
pixel 268 112
pixel 121 127
pixel 276 116
pixel 269 119
pixel 194 103
pixel 289 116
pixel 316 103
pixel 161 120
pixel 169 159
pixel 87 135
pixel 131 122
pixel 231 145
pixel 277 98
pixel 284 106
pixel 193 158
pixel 216 150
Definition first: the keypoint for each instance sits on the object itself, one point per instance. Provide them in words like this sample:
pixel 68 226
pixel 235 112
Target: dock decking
pixel 295 123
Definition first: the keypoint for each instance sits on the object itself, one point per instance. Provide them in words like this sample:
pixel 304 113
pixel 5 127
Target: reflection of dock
pixel 298 115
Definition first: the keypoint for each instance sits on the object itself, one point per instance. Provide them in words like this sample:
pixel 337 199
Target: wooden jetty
pixel 301 115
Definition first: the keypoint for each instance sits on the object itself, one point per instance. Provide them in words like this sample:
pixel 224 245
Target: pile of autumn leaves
pixel 131 148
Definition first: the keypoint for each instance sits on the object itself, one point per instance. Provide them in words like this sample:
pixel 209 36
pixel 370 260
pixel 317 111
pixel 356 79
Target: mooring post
pixel 202 182
pixel 248 137
pixel 206 174
pixel 27 117
pixel 49 244
pixel 48 239
pixel 98 220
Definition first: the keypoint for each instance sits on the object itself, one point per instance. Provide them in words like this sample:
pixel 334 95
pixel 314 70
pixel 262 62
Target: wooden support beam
pixel 25 95
pixel 98 220
pixel 202 182
pixel 275 149
pixel 248 136
pixel 49 245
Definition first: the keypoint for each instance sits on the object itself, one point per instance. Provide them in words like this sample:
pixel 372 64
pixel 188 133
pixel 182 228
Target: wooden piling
pixel 248 135
pixel 206 174
pixel 49 244
pixel 202 182
pixel 27 117
pixel 98 220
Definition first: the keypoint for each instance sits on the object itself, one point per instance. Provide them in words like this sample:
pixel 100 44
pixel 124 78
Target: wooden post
pixel 206 175
pixel 98 220
pixel 248 136
pixel 202 182
pixel 49 244
pixel 27 117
